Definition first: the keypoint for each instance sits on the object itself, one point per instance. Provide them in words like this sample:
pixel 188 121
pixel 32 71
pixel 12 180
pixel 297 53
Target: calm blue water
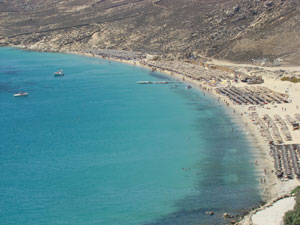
pixel 94 147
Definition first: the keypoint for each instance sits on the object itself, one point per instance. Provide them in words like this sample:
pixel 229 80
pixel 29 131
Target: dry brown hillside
pixel 239 30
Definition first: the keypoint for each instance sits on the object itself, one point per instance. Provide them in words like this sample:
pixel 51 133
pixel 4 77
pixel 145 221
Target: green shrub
pixel 291 79
pixel 293 217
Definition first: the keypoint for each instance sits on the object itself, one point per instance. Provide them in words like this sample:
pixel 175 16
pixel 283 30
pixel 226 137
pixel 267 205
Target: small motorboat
pixel 189 87
pixel 21 94
pixel 59 73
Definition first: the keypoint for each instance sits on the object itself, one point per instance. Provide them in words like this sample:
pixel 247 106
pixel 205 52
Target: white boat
pixel 59 73
pixel 21 94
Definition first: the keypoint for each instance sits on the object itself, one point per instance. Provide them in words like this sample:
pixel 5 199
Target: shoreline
pixel 271 191
pixel 274 190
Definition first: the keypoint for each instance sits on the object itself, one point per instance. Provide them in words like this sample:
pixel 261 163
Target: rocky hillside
pixel 239 30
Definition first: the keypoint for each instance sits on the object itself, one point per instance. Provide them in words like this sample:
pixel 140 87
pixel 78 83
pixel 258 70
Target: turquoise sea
pixel 93 147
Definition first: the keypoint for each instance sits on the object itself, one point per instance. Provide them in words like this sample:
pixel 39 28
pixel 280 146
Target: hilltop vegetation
pixel 239 30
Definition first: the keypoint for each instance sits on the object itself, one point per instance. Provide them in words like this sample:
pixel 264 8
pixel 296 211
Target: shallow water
pixel 94 147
